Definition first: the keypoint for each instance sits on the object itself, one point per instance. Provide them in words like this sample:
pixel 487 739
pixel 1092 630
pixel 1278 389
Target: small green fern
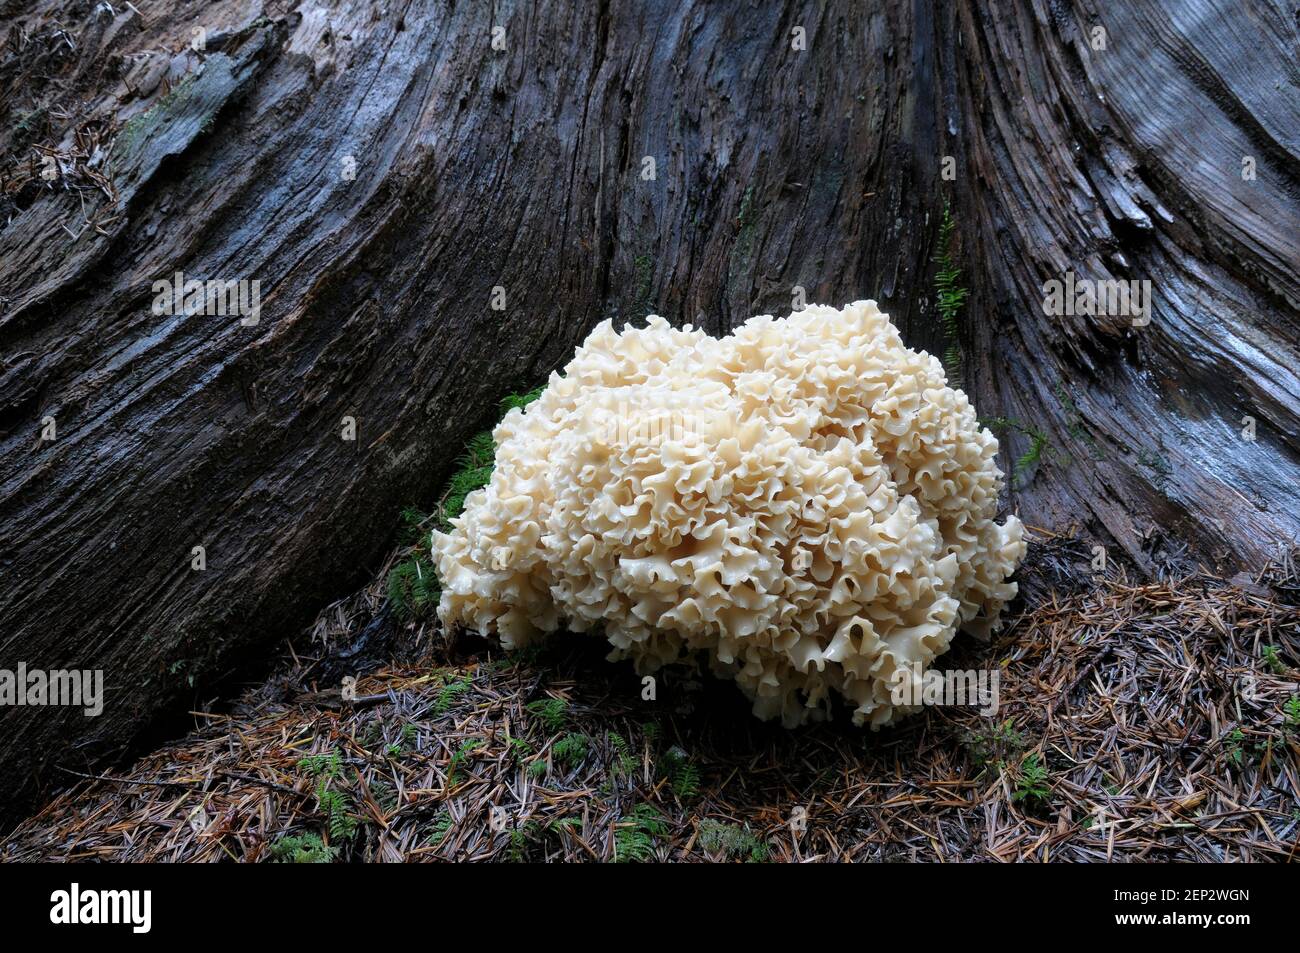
pixel 474 466
pixel 473 471
pixel 413 588
pixel 683 777
pixel 327 767
pixel 520 838
pixel 635 835
pixel 993 745
pixel 521 401
pixel 950 297
pixel 572 749
pixel 384 794
pixel 302 849
pixel 460 757
pixel 449 693
pixel 1271 658
pixel 518 749
pixel 626 763
pixel 328 764
pixel 1032 785
pixel 1235 745
pixel 410 733
pixel 1031 457
pixel 439 828
pixel 411 526
pixel 550 712
pixel 1039 445
pixel 1291 711
pixel 337 807
pixel 1074 422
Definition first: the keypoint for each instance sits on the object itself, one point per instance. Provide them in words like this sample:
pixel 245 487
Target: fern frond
pixel 450 692
pixel 411 526
pixel 1033 784
pixel 683 777
pixel 634 838
pixel 1038 442
pixel 571 749
pixel 460 757
pixel 481 451
pixel 336 806
pixel 439 828
pixel 327 764
pixel 1039 445
pixel 550 712
pixel 521 401
pixel 950 297
pixel 625 763
pixel 302 849
pixel 413 588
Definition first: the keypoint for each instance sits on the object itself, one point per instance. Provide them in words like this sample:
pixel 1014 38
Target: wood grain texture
pixel 1126 163
pixel 521 168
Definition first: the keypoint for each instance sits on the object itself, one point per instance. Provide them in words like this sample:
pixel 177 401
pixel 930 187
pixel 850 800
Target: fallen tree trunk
pixel 437 211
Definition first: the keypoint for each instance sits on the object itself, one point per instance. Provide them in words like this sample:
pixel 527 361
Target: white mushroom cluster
pixel 805 503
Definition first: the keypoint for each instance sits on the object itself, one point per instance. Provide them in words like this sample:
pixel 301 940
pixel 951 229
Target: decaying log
pixel 380 170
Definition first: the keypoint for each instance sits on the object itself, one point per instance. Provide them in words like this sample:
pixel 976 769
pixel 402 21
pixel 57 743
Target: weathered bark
pixel 1127 163
pixel 522 168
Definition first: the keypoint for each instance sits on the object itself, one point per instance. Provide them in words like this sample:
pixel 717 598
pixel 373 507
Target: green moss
pixel 732 841
pixel 138 128
pixel 1158 465
pixel 642 278
pixel 412 587
pixel 742 252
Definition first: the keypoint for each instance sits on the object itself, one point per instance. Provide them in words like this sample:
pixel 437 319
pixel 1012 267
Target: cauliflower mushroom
pixel 804 503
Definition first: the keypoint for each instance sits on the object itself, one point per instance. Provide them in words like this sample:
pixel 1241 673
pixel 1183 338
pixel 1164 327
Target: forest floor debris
pixel 1155 721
